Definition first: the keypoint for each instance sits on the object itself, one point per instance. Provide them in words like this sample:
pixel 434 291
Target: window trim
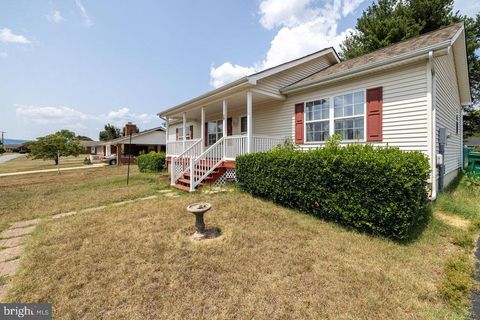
pixel 331 119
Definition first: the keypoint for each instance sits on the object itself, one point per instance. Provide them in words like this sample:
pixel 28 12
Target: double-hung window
pixel 180 134
pixel 215 131
pixel 343 114
pixel 317 120
pixel 349 120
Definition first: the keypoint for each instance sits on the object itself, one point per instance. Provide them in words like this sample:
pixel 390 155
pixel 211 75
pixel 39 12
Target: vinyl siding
pixel 282 79
pixel 448 107
pixel 404 107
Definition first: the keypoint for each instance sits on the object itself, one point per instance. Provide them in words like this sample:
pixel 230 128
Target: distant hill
pixel 14 141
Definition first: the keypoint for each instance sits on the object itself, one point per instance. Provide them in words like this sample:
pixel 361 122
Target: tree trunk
pixel 56 161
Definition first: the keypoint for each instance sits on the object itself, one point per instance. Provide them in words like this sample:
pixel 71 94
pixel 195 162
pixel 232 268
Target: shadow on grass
pixel 414 234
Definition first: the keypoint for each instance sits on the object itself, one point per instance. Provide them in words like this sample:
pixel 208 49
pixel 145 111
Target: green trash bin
pixel 474 162
pixel 466 152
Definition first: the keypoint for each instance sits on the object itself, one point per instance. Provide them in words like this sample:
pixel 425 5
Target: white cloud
pixel 288 13
pixel 227 72
pixel 55 16
pixel 3 54
pixel 65 117
pixel 7 36
pixel 303 29
pixel 86 18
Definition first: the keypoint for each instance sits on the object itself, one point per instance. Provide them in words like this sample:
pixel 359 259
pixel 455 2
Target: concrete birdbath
pixel 199 209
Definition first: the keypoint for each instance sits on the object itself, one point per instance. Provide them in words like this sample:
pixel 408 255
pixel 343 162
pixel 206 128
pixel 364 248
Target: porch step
pixel 182 187
pixel 187 181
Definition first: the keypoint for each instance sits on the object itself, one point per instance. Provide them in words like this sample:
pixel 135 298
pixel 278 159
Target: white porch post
pixel 184 129
pixel 166 135
pixel 224 125
pixel 202 128
pixel 249 122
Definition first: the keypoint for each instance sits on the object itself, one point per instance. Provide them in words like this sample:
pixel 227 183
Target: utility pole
pixel 3 139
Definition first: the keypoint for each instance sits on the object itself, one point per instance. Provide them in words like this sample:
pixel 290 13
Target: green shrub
pixel 151 162
pixel 2 149
pixel 378 190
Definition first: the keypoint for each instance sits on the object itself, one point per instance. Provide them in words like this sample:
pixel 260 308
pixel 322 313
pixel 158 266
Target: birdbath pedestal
pixel 199 209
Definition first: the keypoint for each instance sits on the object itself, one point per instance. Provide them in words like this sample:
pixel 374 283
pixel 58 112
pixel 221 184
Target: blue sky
pixel 79 64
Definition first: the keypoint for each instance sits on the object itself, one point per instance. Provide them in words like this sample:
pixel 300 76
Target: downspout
pixel 431 133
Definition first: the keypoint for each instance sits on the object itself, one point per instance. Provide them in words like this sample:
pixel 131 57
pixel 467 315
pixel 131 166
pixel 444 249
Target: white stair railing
pixel 205 163
pixel 202 165
pixel 180 164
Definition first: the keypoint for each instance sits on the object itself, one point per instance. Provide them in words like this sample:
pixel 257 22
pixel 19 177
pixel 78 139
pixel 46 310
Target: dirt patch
pixel 453 221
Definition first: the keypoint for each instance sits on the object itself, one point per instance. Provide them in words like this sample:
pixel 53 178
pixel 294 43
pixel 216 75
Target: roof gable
pixel 441 37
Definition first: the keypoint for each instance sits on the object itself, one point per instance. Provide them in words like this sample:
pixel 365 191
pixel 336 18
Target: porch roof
pixel 246 82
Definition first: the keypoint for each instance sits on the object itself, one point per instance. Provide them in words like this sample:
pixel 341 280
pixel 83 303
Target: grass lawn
pixel 28 164
pixel 41 194
pixel 136 262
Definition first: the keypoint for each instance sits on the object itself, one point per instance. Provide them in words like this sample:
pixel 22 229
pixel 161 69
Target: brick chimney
pixel 130 128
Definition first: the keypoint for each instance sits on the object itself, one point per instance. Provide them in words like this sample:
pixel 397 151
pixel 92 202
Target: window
pixel 215 131
pixel 349 115
pixel 346 117
pixel 317 120
pixel 180 133
pixel 243 125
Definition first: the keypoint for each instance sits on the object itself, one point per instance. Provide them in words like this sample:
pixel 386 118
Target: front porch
pixel 202 139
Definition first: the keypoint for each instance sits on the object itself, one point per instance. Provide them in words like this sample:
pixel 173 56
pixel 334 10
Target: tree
pixel 2 149
pixel 83 138
pixel 390 21
pixel 60 144
pixel 111 132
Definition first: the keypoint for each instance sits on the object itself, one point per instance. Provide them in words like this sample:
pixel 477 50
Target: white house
pixel 399 96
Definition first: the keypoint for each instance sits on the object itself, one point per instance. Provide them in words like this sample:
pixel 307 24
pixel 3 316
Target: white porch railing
pixel 265 143
pixel 226 148
pixel 180 164
pixel 176 148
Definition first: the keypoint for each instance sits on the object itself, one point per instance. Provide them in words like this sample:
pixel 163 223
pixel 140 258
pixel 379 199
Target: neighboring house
pixel 93 147
pixel 144 141
pixel 398 96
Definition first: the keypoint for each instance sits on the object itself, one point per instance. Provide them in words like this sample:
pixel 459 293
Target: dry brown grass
pixel 135 262
pixel 28 164
pixel 41 194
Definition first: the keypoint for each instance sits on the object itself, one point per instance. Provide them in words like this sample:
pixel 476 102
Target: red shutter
pixel 176 134
pixel 299 109
pixel 229 127
pixel 206 134
pixel 374 114
pixel 191 132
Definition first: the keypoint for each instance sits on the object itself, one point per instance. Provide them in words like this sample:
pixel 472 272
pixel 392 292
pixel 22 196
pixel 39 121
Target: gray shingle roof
pixel 419 42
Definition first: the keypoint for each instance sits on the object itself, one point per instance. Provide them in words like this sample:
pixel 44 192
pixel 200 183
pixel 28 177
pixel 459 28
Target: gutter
pixel 368 67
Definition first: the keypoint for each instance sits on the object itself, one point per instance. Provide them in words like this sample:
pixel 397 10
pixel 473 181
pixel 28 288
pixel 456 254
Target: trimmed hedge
pixel 151 162
pixel 377 190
